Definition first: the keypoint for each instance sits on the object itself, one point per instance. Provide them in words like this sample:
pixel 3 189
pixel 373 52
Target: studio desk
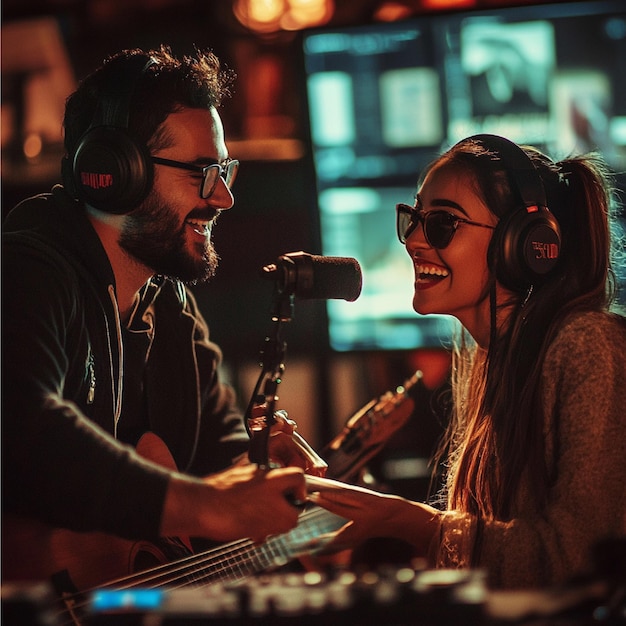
pixel 389 597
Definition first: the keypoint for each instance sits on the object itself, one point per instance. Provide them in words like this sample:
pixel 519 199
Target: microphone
pixel 310 276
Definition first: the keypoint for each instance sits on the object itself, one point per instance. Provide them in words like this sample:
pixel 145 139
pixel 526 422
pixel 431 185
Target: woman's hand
pixel 373 514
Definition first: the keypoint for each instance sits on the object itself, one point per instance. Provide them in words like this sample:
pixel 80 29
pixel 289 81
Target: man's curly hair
pixel 167 85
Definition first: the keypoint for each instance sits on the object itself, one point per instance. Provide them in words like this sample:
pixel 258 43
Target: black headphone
pixel 109 169
pixel 526 243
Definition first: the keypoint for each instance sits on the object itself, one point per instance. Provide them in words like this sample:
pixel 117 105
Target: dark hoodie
pixel 77 388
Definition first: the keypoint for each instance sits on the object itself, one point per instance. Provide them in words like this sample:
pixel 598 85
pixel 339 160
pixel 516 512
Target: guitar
pixel 368 430
pixel 33 551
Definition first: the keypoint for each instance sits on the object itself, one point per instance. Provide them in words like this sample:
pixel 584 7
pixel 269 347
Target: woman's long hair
pixel 496 432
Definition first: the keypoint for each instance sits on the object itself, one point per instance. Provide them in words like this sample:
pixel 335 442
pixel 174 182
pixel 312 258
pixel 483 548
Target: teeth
pixel 432 271
pixel 199 226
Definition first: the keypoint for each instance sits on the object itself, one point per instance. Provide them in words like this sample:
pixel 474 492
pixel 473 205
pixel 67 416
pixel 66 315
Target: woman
pixel 535 455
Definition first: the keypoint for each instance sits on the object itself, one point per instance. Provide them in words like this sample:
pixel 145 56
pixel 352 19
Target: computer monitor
pixel 384 99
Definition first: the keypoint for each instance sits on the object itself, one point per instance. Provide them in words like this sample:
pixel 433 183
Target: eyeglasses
pixel 210 173
pixel 439 226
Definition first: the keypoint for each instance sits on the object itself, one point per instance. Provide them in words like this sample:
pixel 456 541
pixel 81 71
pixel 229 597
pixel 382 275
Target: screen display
pixel 385 99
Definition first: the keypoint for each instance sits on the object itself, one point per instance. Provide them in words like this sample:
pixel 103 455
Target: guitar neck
pixel 242 559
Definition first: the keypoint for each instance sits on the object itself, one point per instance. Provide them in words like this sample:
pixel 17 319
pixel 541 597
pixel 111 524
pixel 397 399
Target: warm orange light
pixel 265 16
pixel 307 13
pixel 392 11
pixel 259 15
pixel 448 4
pixel 266 11
pixel 32 146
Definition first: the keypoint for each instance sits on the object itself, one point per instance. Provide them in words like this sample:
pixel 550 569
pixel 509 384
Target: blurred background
pixel 337 106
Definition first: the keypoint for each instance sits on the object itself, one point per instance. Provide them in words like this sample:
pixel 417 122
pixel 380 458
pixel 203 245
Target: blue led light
pixel 124 599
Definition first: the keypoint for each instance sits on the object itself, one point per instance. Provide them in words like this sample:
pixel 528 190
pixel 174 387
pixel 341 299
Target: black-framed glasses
pixel 439 226
pixel 210 173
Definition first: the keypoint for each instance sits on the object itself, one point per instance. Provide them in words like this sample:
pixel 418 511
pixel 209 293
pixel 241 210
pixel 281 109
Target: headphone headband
pixel 117 91
pixel 526 243
pixel 525 176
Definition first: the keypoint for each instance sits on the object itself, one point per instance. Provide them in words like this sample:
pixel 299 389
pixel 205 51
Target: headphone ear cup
pixel 525 247
pixel 111 171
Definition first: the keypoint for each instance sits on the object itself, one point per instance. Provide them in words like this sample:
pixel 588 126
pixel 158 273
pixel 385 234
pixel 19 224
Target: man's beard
pixel 154 237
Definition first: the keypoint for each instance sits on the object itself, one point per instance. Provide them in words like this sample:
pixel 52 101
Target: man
pixel 104 348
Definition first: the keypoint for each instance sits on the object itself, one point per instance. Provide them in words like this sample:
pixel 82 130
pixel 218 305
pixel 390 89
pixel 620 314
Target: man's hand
pixel 240 502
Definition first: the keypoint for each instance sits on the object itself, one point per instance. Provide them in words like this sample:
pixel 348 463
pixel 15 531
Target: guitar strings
pixel 239 560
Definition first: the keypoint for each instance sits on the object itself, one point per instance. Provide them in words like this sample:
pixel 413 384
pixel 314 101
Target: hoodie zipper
pixel 117 397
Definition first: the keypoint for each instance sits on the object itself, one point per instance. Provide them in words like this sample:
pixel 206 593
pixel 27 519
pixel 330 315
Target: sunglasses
pixel 210 173
pixel 439 226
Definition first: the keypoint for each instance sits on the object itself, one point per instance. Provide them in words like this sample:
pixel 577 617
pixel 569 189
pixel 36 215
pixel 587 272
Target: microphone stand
pixel 261 411
pixel 260 416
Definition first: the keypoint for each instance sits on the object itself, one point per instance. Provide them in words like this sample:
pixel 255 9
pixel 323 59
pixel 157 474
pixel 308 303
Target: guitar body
pixel 33 551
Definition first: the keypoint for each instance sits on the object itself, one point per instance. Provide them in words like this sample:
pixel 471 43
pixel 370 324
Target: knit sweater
pixel 584 397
